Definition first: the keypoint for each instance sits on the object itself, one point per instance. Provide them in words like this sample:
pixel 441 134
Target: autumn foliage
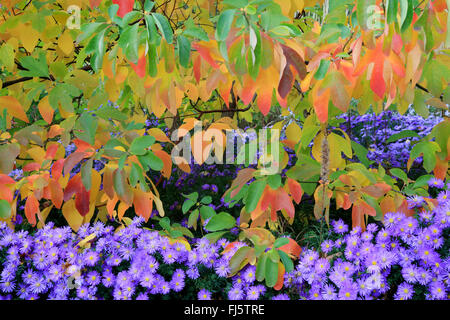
pixel 218 62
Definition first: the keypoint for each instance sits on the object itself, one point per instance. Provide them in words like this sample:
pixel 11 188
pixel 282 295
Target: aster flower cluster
pixel 399 260
pixel 373 130
pixel 403 259
pixel 119 265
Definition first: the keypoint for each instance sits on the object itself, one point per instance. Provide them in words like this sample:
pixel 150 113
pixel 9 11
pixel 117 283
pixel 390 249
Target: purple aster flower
pixel 339 226
pixel 405 291
pixel 204 294
pixel 438 290
pixel 281 296
pixel 436 183
pixel 348 291
pixel 249 274
pixel 327 246
pixel 253 293
pixel 236 293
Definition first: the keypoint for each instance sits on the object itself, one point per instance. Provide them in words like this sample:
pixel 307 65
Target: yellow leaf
pixel 37 153
pixel 112 89
pixel 84 243
pixel 29 37
pixel 159 206
pixel 73 217
pixel 65 43
pixel 293 132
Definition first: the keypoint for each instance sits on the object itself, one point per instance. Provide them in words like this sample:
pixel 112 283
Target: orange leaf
pixel 14 108
pixel 31 209
pixel 167 161
pixel 143 203
pixel 279 285
pixel 292 248
pixel 295 189
pixel 46 110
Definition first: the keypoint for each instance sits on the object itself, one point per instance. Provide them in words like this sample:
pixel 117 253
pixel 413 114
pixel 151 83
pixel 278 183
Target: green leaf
pixel 239 260
pixel 5 209
pixel 129 42
pixel 422 181
pixel 164 27
pixel 152 34
pixel 406 14
pixel 139 145
pixel 280 242
pixel 271 273
pixel 87 124
pixel 184 50
pixel 362 12
pixel 152 59
pixel 193 196
pixel 428 149
pixel 261 268
pixel 274 181
pixel 322 70
pixel 148 5
pixel 207 212
pixel 403 134
pixel 193 217
pixel 206 200
pixel 108 112
pixel 221 221
pixel 399 174
pixel 361 152
pixel 224 24
pixel 35 67
pixel 86 174
pixel 287 262
pixel 214 236
pixel 194 31
pixel 391 14
pixel 165 223
pixel 254 194
pixel 187 205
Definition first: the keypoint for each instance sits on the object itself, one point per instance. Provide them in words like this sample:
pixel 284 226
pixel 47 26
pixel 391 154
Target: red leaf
pixel 286 82
pixel 82 200
pixel 294 59
pixel 95 3
pixel 51 151
pixel 139 68
pixel 33 166
pixel 73 186
pixel 56 193
pixel 205 54
pixel 57 168
pixel 125 6
pixel 72 160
